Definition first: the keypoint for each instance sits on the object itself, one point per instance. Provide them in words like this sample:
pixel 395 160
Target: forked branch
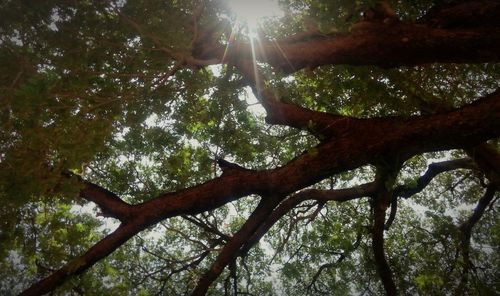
pixel 338 195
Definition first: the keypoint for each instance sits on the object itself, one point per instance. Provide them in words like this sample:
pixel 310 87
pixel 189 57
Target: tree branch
pixel 320 124
pixel 379 206
pixel 78 265
pixel 110 204
pixel 230 250
pixel 206 227
pixel 339 195
pixel 433 170
pixel 487 159
pixel 371 43
pixel 383 267
pixel 369 139
pixel 339 260
pixel 466 232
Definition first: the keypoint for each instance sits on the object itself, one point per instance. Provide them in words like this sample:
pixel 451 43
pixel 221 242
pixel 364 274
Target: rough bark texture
pixel 378 44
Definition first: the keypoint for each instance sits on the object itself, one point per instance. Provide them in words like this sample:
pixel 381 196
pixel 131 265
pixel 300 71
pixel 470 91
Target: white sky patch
pixel 254 106
pixel 252 13
pixel 151 120
pixel 216 70
pixel 109 225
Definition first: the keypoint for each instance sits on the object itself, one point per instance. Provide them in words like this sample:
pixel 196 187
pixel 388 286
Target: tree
pixel 372 165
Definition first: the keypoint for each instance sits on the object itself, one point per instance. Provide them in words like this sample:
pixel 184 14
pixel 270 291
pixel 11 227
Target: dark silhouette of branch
pixel 383 267
pixel 206 227
pixel 466 233
pixel 433 170
pixel 487 159
pixel 392 214
pixel 231 249
pixel 380 203
pixel 339 195
pixel 110 204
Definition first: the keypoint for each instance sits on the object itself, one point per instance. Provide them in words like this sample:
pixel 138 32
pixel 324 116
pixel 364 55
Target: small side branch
pixel 433 170
pixel 206 227
pixel 341 258
pixel 392 214
pixel 110 204
pixel 383 267
pixel 229 167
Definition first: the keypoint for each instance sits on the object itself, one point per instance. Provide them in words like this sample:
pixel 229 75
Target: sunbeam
pixel 250 14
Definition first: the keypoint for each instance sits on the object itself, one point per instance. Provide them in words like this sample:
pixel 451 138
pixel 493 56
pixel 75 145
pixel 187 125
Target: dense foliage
pixel 134 96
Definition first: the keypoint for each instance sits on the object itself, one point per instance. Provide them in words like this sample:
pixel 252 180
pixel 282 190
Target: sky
pixel 253 12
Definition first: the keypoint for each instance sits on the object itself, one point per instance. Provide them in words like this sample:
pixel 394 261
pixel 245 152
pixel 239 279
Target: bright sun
pixel 252 13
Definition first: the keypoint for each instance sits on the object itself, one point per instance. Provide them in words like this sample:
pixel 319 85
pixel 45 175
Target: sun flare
pixel 250 14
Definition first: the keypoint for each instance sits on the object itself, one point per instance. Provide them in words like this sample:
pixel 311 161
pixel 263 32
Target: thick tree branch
pixel 371 43
pixel 486 157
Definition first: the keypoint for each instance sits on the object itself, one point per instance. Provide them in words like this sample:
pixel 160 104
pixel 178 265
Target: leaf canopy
pixel 115 93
